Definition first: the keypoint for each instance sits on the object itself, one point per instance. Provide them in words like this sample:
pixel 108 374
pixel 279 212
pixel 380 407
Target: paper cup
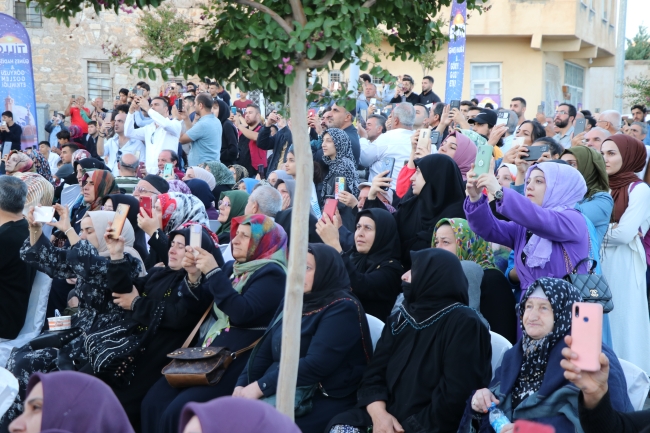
pixel 59 323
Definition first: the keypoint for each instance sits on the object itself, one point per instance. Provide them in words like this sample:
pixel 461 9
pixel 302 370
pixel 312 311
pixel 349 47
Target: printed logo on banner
pixel 17 79
pixel 456 52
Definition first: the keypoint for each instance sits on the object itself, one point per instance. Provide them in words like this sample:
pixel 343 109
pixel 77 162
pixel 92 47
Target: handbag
pixel 55 339
pixel 592 287
pixel 196 366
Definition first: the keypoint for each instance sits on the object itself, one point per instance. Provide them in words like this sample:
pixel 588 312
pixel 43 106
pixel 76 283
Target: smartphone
pixel 387 164
pixel 195 237
pixel 139 92
pixel 43 214
pixel 483 159
pixel 364 114
pixel 260 170
pixel 311 112
pixel 587 334
pixel 179 104
pixel 117 98
pixel 339 185
pixel 168 171
pixel 424 139
pixel 146 203
pixel 455 103
pixel 502 118
pixel 233 110
pixel 523 426
pixel 579 126
pixel 139 172
pixel 388 110
pixel 330 207
pixel 137 154
pixel 435 139
pixel 118 222
pixel 518 141
pixel 74 97
pixel 540 108
pixel 373 101
pixel 535 152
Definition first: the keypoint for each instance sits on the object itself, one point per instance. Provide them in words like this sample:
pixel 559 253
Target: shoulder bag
pixel 592 287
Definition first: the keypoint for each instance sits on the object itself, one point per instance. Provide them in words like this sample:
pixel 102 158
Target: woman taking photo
pixel 111 202
pixel 246 294
pixel 232 204
pixel 335 344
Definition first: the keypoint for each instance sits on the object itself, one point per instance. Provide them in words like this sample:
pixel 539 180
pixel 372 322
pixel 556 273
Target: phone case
pixel 120 217
pixel 535 152
pixel 43 214
pixel 580 127
pixel 455 104
pixel 483 158
pixel 502 118
pixel 330 207
pixel 587 333
pixel 169 170
pixel 146 204
pixel 195 235
pixel 523 426
pixel 424 140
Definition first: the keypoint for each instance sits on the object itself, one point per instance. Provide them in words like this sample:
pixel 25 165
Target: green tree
pixel 639 47
pixel 637 90
pixel 271 45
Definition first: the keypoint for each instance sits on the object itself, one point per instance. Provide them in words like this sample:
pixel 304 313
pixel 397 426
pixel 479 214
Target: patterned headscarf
pixel 23 162
pixel 75 132
pixel 39 190
pixel 222 175
pixel 178 209
pixel 240 173
pixel 342 165
pixel 41 165
pixel 469 245
pixel 104 184
pixel 204 175
pixel 561 295
pixel 80 154
pixel 268 244
pixel 179 186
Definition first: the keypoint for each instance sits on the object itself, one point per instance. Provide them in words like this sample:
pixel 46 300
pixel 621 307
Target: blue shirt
pixel 206 140
pixel 142 120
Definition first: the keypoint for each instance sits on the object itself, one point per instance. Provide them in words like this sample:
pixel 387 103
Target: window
pixel 377 81
pixel 336 77
pixel 30 15
pixel 574 79
pixel 604 6
pixel 100 83
pixel 485 79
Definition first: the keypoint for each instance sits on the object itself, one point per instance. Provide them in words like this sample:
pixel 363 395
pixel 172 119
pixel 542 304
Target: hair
pixel 556 148
pixel 426 110
pixel 489 105
pixel 475 107
pixel 72 145
pixel 586 113
pixel 256 107
pixel 160 98
pixel 122 108
pixel 642 125
pixel 572 109
pixel 63 135
pixel 268 199
pixel 591 121
pixel 381 119
pixel 13 193
pixel 189 83
pixel 475 101
pixel 8 114
pixel 365 77
pixel 405 112
pixel 428 77
pixel 44 142
pixel 144 85
pixel 639 107
pixel 520 99
pixel 408 78
pixel 601 130
pixel 611 116
pixel 470 104
pixel 203 98
pixel 173 155
pixel 213 83
pixel 438 109
pixel 92 122
pixel 190 98
pixel 129 167
pixel 538 129
pixel 124 92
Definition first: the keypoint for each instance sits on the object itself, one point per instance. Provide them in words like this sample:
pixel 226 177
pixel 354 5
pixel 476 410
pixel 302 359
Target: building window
pixel 336 77
pixel 100 83
pixel 574 79
pixel 485 79
pixel 604 5
pixel 30 15
pixel 377 81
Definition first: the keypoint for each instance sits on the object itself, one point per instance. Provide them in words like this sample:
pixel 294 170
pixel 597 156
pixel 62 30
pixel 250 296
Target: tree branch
pixel 369 4
pixel 319 63
pixel 298 12
pixel 287 27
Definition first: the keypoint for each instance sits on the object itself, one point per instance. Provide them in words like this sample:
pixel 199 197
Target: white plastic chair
pixel 500 345
pixel 638 383
pixel 376 327
pixel 34 319
pixel 8 390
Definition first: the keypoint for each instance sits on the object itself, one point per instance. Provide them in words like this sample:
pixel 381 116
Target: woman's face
pixel 612 156
pixel 273 178
pixel 364 236
pixel 570 159
pixel 417 181
pixel 309 275
pixel 526 131
pixel 31 418
pixel 241 242
pixel 449 146
pixel 329 149
pixel 80 173
pixel 194 425
pixel 108 205
pixel 538 318
pixel 224 209
pixel 88 232
pixel 176 253
pixel 11 165
pixel 536 187
pixel 282 188
pixel 189 174
pixel 504 176
pixel 234 173
pixel 89 191
pixel 446 239
pixel 290 165
pixel 241 186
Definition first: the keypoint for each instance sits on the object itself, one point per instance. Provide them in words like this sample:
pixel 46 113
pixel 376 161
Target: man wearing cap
pixel 127 180
pixel 404 92
pixel 483 123
pixel 151 185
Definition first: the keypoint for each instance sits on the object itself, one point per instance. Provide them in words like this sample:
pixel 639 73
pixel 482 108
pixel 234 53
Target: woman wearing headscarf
pixel 197 172
pixel 231 204
pixel 238 173
pixel 111 202
pixel 72 402
pixel 373 261
pixel 40 192
pixel 495 300
pixel 544 226
pixel 235 415
pixel 222 176
pixel 276 175
pixel 201 190
pixel 41 166
pixel 530 383
pixel 229 136
pixel 17 162
pixel 95 186
pixel 506 174
pixel 337 155
pixel 335 344
pixel 246 294
pixel 431 355
pixel 625 261
pixel 247 184
pixel 176 185
pixel 287 188
pixel 437 192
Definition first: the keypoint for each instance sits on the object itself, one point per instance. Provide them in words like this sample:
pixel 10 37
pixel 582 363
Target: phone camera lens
pixel 586 319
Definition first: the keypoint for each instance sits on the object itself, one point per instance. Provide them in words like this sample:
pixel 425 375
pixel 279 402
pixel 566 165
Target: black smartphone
pixel 387 164
pixel 579 127
pixel 435 139
pixel 260 170
pixel 455 103
pixel 535 152
pixel 179 104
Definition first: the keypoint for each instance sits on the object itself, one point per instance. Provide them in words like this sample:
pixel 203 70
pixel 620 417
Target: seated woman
pixel 373 261
pixel 94 187
pixel 276 175
pixel 111 202
pixel 287 187
pixel 246 293
pixel 497 304
pixel 247 184
pixel 335 344
pixel 430 356
pixel 530 384
pixel 232 204
pixel 201 190
pixel 544 227
pixel 200 173
pixel 222 176
pixel 290 169
pixel 67 401
pixel 238 173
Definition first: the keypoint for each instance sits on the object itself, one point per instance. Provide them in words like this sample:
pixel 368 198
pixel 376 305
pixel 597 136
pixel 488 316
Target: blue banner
pixel 456 52
pixel 17 78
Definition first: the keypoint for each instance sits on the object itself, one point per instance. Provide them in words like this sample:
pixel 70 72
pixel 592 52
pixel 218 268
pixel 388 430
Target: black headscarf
pixel 331 279
pixel 224 111
pixel 140 244
pixel 283 218
pixel 201 190
pixel 386 245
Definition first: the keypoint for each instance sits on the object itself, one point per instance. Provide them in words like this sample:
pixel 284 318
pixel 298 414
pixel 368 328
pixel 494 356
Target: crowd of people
pixel 418 259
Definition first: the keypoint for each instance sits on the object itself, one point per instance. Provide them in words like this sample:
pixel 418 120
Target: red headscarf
pixel 634 156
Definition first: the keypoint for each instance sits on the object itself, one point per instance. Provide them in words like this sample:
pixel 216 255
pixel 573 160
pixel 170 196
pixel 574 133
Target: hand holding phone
pixel 579 126
pixel 483 159
pixel 118 222
pixel 195 237
pixel 502 118
pixel 146 203
pixel 330 208
pixel 536 152
pixel 43 214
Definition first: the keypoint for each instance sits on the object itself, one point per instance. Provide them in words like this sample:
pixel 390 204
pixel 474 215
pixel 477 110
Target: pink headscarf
pixel 465 152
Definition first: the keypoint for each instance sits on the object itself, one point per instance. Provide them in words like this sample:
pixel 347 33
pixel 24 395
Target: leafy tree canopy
pixel 639 47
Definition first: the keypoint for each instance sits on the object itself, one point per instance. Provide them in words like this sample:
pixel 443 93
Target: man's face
pixel 7 119
pixel 420 115
pixel 407 86
pixel 119 123
pixel 517 107
pixel 81 101
pixel 213 90
pixel 426 85
pixel 635 131
pixel 339 116
pixel 594 139
pixel 562 118
pixel 327 120
pixel 369 91
pixel 242 95
pixel 638 115
pixel 123 98
pixel 92 129
pixel 160 107
pixel 164 158
pixel 99 102
pixel 481 128
pixel 472 113
pixel 373 128
pixel 252 116
pixel 465 110
pixel 44 149
pixel 191 88
pixel 189 105
pixel 144 189
pixel 66 155
pixel 363 195
pixel 145 92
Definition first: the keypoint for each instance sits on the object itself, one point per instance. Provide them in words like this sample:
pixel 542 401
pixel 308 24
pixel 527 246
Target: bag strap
pixel 196 329
pixel 245 349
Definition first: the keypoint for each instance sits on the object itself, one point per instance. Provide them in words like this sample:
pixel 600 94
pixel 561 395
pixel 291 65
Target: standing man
pixel 404 92
pixel 119 144
pixel 122 97
pixel 564 117
pixel 204 136
pixel 141 118
pixel 242 102
pixel 428 96
pixel 250 156
pixel 221 92
pixel 639 112
pixel 278 143
pixel 518 105
pixel 10 132
pixel 53 127
pixel 89 141
pixel 213 88
pixel 51 157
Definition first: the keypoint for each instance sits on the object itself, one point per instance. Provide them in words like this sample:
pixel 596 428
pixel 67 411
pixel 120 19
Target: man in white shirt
pixel 111 149
pixel 51 157
pixel 162 134
pixel 395 143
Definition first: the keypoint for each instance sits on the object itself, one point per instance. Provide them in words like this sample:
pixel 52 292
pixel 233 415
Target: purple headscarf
pixel 465 154
pixel 565 187
pixel 179 186
pixel 239 415
pixel 79 403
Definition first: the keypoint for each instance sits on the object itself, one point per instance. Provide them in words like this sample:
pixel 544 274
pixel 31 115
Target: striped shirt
pixel 126 183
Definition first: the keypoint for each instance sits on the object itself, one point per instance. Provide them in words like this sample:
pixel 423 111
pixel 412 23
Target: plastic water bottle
pixel 497 418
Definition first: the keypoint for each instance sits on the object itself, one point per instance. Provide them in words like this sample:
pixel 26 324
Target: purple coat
pixel 566 228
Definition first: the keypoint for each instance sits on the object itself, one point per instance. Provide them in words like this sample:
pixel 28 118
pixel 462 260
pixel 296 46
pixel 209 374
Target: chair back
pixel 500 345
pixel 638 383
pixel 376 327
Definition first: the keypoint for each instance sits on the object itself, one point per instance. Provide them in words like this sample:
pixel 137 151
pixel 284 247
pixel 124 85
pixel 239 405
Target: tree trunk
pixel 292 318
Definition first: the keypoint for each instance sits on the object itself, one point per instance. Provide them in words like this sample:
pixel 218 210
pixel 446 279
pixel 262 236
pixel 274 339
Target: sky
pixel 638 13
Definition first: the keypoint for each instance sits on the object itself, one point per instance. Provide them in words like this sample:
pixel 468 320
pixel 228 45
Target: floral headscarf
pixel 104 184
pixel 222 175
pixel 75 132
pixel 179 186
pixel 178 208
pixel 80 154
pixel 469 245
pixel 240 173
pixel 41 166
pixel 23 162
pixel 342 165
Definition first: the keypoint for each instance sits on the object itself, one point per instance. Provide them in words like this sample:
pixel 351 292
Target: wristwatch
pixel 498 194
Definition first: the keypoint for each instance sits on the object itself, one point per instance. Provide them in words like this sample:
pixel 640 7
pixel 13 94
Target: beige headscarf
pixel 39 190
pixel 101 221
pixel 204 175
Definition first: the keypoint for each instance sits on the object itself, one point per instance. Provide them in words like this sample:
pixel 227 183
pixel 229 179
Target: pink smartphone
pixel 587 334
pixel 330 207
pixel 523 426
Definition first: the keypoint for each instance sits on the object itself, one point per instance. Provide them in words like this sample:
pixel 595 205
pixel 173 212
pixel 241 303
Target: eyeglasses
pixel 223 203
pixel 562 113
pixel 141 189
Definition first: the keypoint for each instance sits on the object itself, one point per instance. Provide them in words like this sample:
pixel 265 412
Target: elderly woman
pixel 530 383
pixel 17 162
pixel 222 176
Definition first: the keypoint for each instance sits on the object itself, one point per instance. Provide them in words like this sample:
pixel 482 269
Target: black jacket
pixel 604 418
pixel 279 143
pixel 413 98
pixel 429 98
pixel 90 143
pixel 229 142
pixel 15 131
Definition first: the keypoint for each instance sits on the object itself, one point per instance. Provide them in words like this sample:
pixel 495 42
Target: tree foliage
pixel 639 47
pixel 637 90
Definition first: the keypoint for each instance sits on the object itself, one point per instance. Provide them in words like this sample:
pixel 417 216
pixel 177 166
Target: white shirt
pixel 112 147
pixel 161 134
pixel 392 144
pixel 53 160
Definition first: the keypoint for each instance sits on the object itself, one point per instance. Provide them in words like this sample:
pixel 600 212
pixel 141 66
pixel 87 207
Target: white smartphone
pixel 373 101
pixel 195 237
pixel 502 118
pixel 43 214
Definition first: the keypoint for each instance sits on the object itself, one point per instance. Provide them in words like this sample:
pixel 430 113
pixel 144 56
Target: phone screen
pixel 169 170
pixel 195 237
pixel 233 110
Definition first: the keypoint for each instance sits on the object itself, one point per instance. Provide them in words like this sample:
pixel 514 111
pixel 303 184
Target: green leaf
pixel 300 47
pixel 152 74
pixel 288 79
pixel 253 43
pixel 254 64
pixel 311 52
pixel 273 84
pixel 142 74
pixel 164 75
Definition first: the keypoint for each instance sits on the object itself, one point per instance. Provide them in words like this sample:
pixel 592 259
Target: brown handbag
pixel 195 366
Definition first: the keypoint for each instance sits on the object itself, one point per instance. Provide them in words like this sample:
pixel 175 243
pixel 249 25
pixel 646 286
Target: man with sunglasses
pixel 564 117
pixel 119 144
